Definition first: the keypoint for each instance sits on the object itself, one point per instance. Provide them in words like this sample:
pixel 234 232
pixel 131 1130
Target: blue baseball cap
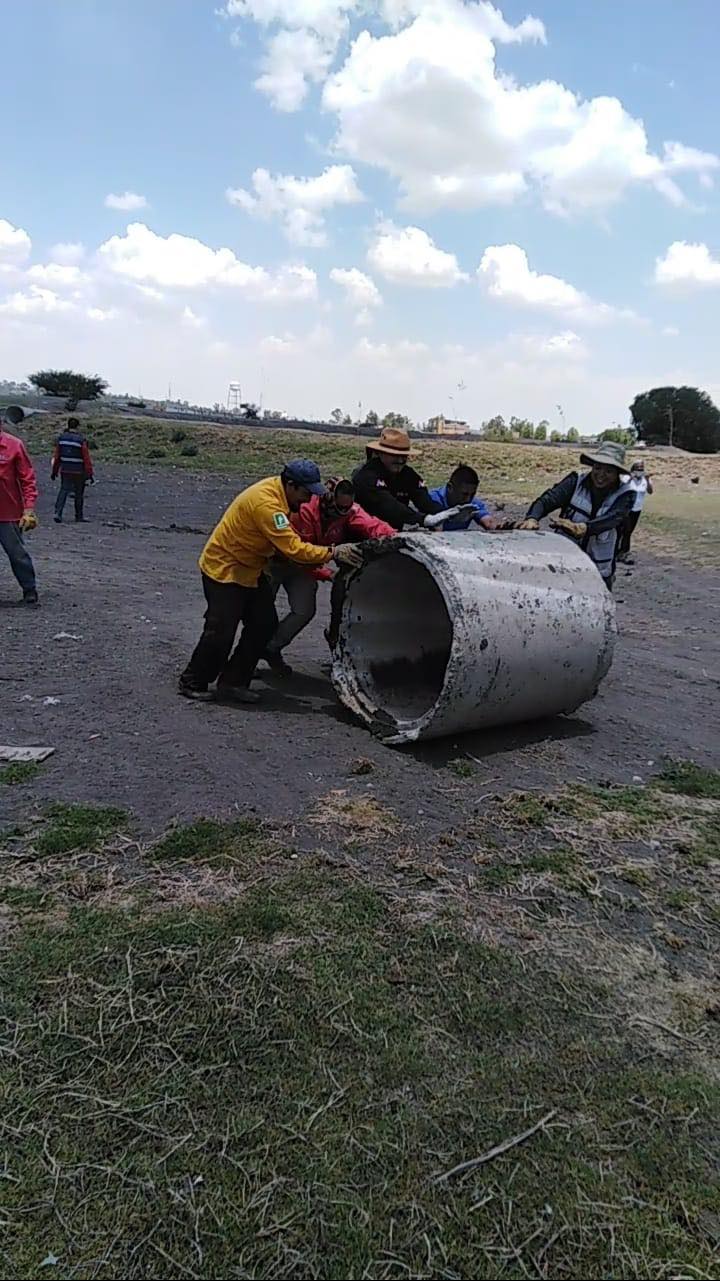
pixel 302 472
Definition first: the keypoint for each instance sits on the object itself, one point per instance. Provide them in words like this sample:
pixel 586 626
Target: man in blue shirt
pixel 461 489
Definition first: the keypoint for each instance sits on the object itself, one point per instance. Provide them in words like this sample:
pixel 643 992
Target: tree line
pixel 681 416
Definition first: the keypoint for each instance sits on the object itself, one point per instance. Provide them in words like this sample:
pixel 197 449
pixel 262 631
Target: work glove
pixel 348 554
pixel 575 528
pixel 439 518
pixel 528 523
pixel 28 521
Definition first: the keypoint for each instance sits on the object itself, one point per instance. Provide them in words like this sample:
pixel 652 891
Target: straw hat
pixel 394 441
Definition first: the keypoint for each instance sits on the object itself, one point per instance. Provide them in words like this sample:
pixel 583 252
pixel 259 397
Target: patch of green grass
pixel 78 827
pixel 462 768
pixel 497 875
pixel 706 848
pixel 19 772
pixel 689 779
pixel 678 900
pixel 23 897
pixel 638 874
pixel 183 1100
pixel 209 841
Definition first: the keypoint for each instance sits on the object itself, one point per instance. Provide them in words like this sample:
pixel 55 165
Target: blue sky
pixel 520 199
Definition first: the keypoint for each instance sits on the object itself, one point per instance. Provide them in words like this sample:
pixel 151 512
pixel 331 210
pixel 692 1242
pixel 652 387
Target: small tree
pixel 336 416
pixel 371 418
pixel 347 421
pixel 555 437
pixel 541 430
pixel 619 435
pixel 65 382
pixel 573 436
pixel 523 428
pixel 399 421
pixel 682 416
pixel 496 429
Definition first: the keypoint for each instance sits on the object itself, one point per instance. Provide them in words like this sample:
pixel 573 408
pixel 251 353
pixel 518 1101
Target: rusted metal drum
pixel 443 633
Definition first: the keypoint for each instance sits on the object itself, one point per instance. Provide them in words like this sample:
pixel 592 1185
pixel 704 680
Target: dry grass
pixel 222 1060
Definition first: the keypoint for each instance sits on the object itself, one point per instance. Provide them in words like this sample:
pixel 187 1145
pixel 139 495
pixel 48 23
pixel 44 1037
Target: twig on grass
pixel 498 1150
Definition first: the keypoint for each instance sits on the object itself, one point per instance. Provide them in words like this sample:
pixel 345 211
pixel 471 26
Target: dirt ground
pixel 127 590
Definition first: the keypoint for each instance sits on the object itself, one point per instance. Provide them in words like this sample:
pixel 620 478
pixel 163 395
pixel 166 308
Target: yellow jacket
pixel 253 528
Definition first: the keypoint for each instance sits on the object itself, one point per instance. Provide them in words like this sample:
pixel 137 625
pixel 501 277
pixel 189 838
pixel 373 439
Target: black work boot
pixel 276 663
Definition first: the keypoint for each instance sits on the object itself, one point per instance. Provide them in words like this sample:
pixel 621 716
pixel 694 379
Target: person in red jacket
pixel 333 518
pixel 18 496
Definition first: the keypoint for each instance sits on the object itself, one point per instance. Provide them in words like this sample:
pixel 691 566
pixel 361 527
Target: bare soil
pixel 127 589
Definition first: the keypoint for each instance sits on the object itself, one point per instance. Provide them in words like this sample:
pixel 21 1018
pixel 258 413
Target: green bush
pixel 156 453
pixel 189 451
pixel 178 435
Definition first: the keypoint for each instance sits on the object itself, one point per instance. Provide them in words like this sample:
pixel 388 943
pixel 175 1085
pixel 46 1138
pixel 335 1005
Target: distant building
pixel 442 426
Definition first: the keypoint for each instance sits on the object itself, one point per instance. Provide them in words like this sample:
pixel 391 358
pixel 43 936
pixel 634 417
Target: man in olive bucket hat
pixel 593 506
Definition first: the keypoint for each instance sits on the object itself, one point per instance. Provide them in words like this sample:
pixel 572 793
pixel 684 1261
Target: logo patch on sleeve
pixel 280 521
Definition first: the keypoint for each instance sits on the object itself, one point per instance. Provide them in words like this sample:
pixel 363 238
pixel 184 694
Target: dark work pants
pixel 228 605
pixel 337 597
pixel 626 532
pixel 74 485
pixel 11 541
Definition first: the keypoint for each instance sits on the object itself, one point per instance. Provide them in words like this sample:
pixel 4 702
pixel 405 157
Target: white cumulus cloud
pixel 427 105
pixel 15 245
pixel 177 261
pixel 68 252
pixel 409 256
pixel 57 275
pixel 361 293
pixel 128 201
pixel 506 274
pixel 687 264
pixel 35 301
pixel 300 203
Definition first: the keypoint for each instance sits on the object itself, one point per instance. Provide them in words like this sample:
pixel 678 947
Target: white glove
pixel 432 522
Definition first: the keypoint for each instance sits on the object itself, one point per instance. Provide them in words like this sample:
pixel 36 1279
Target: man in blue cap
pixel 255 527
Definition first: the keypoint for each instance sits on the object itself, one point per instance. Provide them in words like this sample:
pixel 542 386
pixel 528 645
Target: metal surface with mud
pixel 126 591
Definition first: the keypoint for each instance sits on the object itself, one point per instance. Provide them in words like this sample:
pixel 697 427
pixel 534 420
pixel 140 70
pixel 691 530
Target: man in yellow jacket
pixel 255 526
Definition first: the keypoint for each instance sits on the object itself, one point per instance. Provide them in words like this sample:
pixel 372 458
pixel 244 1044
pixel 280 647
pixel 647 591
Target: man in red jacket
pixel 333 518
pixel 18 496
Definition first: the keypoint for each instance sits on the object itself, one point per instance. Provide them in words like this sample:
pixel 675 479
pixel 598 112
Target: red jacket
pixel 352 527
pixel 18 486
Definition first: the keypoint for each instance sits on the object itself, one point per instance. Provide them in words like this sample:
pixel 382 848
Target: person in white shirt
pixel 642 485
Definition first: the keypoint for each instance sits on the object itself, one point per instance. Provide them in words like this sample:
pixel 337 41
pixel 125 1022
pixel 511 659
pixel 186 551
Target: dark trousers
pixel 11 541
pixel 228 605
pixel 337 598
pixel 74 485
pixel 626 532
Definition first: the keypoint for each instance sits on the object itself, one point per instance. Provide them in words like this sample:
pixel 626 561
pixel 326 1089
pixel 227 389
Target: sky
pixel 426 207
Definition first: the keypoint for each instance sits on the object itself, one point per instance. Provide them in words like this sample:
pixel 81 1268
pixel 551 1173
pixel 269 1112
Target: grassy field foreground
pixel 224 1060
pixel 682 518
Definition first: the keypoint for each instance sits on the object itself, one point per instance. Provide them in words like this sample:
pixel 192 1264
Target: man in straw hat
pixel 593 507
pixel 385 485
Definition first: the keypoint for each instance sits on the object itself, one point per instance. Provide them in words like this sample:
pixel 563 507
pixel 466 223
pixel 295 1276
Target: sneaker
pixel 31 598
pixel 198 695
pixel 276 663
pixel 58 520
pixel 81 520
pixel 238 694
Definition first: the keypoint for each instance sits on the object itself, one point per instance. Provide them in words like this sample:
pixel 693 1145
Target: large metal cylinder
pixel 442 633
